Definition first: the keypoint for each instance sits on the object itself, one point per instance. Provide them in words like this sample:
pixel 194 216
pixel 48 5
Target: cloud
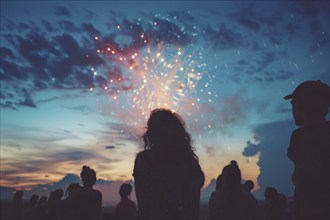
pixel 89 28
pixel 249 23
pixel 7 192
pixel 207 191
pixel 120 131
pixel 67 26
pixel 62 11
pixel 272 140
pixel 14 69
pixel 75 155
pixel 6 52
pixel 224 38
pixel 234 108
pixel 28 102
pixel 110 147
pixel 251 149
pixel 48 26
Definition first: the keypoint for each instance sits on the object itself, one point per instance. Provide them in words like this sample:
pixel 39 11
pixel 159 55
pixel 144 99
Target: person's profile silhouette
pixel 309 150
pixel 126 208
pixel 167 174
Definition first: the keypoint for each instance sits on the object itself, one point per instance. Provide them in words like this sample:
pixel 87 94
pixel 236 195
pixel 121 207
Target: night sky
pixel 79 79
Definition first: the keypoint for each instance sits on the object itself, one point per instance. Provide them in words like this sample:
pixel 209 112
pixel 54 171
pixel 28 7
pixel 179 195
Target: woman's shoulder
pixel 142 162
pixel 144 155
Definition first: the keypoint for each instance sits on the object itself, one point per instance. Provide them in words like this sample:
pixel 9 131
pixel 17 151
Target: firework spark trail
pixel 159 76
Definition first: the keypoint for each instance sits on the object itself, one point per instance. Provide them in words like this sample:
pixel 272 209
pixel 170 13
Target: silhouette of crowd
pixel 168 178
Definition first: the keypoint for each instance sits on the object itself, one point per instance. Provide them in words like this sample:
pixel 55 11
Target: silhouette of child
pixel 215 198
pixel 126 208
pixel 71 189
pixel 86 202
pixel 234 202
pixel 273 208
pixel 309 150
pixel 54 204
pixel 41 210
pixel 30 207
pixel 17 207
pixel 167 174
pixel 248 185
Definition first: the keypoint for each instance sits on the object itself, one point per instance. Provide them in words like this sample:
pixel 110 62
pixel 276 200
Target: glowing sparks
pixel 155 76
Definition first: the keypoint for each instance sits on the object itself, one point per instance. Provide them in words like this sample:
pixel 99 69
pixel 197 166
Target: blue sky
pixel 79 79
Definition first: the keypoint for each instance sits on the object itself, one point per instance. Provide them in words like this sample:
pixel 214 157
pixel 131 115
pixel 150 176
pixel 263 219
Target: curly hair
pixel 166 130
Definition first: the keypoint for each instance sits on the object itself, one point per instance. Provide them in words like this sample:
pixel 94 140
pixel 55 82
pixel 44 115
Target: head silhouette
pixel 248 185
pixel 125 190
pixel 71 188
pixel 18 196
pixel 166 131
pixel 231 174
pixel 56 195
pixel 88 176
pixel 271 194
pixel 34 198
pixel 310 101
pixel 42 200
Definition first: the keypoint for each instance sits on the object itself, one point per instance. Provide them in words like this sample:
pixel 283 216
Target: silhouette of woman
pixel 167 174
pixel 85 202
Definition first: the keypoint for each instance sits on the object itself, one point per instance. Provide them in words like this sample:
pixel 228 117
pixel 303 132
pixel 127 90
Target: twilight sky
pixel 79 79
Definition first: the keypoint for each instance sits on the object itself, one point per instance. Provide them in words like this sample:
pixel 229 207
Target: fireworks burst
pixel 155 76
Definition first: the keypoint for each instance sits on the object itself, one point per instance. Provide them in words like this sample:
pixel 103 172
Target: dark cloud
pixel 74 155
pixel 48 26
pixel 182 17
pixel 6 52
pixel 243 62
pixel 110 147
pixel 248 23
pixel 89 28
pixel 224 38
pixel 28 102
pixel 67 26
pixel 7 192
pixel 89 14
pixel 38 84
pixel 8 104
pixel 11 70
pixel 62 11
pixel 292 29
pixel 272 141
pixel 169 32
pixel 266 59
pixel 314 26
pixel 84 109
pixel 23 27
pixel 251 149
pixel 308 9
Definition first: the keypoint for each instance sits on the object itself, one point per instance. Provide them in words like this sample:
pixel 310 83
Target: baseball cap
pixel 313 89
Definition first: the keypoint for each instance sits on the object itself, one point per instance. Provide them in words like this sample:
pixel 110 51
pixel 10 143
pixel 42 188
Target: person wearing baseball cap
pixel 309 150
